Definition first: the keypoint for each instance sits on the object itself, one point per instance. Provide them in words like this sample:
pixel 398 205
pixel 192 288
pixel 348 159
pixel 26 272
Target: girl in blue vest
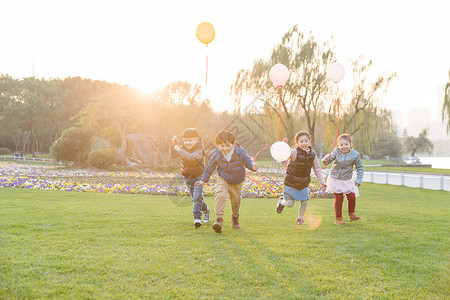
pixel 340 181
pixel 297 178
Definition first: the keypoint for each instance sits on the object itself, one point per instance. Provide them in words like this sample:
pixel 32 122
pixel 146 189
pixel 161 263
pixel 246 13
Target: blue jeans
pixel 196 193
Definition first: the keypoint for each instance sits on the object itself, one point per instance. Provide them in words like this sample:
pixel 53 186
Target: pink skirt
pixel 341 186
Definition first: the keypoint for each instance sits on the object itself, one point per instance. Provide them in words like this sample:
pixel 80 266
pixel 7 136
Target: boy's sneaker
pixel 235 221
pixel 206 216
pixel 280 206
pixel 300 221
pixel 218 225
pixel 197 222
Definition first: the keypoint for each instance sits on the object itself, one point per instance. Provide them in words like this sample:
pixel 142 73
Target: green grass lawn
pixel 69 245
pixel 377 162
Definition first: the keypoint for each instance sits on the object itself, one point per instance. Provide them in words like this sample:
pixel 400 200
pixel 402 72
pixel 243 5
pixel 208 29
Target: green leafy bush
pixel 102 158
pixel 4 151
pixel 74 145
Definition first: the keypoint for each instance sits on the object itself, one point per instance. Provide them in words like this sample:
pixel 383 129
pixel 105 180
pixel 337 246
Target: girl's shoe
pixel 280 206
pixel 300 221
pixel 353 217
pixel 339 221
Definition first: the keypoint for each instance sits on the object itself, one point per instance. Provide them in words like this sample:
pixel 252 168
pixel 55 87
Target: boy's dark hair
pixel 225 136
pixel 346 137
pixel 190 133
pixel 301 133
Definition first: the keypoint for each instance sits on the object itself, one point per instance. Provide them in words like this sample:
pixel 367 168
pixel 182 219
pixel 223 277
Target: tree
pixel 363 117
pixel 446 105
pixel 420 144
pixel 25 109
pixel 387 145
pixel 73 94
pixel 112 115
pixel 307 61
pixel 74 145
pixel 181 92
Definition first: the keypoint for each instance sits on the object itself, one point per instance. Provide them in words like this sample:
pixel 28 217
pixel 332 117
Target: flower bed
pixel 56 178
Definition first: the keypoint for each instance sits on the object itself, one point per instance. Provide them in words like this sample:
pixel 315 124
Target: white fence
pixel 34 159
pixel 423 181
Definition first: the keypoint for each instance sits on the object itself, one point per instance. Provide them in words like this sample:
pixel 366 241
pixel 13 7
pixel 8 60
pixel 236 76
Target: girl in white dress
pixel 340 181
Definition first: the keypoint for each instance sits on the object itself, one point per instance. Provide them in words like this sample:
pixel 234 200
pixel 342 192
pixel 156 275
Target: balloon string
pixel 279 104
pixel 200 114
pixel 206 84
pixel 278 138
pixel 275 194
pixel 256 155
pixel 204 93
pixel 337 129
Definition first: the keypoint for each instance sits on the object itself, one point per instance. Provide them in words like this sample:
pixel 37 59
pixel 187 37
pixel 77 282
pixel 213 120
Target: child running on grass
pixel 230 159
pixel 297 178
pixel 339 180
pixel 192 155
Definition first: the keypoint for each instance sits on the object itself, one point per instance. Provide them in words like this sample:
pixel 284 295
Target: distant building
pixel 397 117
pixel 418 119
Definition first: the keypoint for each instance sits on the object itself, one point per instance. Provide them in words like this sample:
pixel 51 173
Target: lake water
pixel 436 162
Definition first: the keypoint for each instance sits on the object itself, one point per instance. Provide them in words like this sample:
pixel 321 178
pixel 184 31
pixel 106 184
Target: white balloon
pixel 280 151
pixel 279 74
pixel 336 72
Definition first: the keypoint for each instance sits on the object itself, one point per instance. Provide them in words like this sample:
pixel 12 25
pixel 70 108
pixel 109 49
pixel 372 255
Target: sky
pixel 148 44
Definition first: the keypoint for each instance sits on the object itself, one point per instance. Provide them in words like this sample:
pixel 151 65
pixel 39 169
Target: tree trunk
pixel 33 144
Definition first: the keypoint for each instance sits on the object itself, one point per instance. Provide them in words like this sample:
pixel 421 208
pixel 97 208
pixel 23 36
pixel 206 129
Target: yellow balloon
pixel 205 32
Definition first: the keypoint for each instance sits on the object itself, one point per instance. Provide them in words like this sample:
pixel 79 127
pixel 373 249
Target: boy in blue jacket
pixel 230 159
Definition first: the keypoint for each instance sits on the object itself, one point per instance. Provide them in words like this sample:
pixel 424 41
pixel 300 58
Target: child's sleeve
pixel 293 154
pixel 359 169
pixel 196 155
pixel 331 158
pixel 318 170
pixel 212 164
pixel 173 153
pixel 247 160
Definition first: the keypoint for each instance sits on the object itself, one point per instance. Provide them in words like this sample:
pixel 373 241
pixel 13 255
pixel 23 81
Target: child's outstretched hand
pixel 357 184
pixel 255 167
pixel 285 140
pixel 199 183
pixel 174 140
pixel 326 156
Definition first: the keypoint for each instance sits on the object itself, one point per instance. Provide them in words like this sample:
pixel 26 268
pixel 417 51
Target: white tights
pixel 302 208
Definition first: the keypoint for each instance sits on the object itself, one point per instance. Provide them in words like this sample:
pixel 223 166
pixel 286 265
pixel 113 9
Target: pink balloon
pixel 279 74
